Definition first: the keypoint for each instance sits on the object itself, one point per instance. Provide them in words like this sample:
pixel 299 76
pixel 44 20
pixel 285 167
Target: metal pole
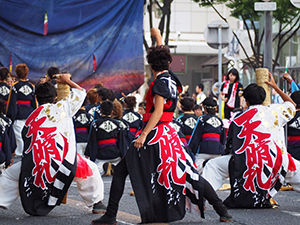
pixel 220 67
pixel 268 41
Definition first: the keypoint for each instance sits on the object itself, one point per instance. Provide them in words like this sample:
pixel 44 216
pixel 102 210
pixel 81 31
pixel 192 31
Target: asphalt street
pixel 75 212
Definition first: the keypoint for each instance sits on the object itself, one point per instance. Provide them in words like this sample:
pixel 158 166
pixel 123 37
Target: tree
pixel 286 15
pixel 164 7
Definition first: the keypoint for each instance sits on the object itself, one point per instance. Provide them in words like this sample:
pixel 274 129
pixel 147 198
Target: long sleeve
pixel 92 146
pixel 196 137
pixel 11 110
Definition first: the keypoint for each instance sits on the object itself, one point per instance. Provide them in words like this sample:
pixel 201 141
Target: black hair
pixel 210 104
pixel 4 73
pixel 142 104
pixel 106 107
pixel 187 104
pixel 45 93
pixel 130 102
pixel 235 73
pixel 2 106
pixel 159 57
pixel 52 71
pixel 295 96
pixel 201 86
pixel 254 94
pixel 196 107
pixel 106 94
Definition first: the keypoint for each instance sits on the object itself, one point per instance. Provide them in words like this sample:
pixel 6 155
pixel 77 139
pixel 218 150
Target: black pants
pixel 118 183
pixel 227 111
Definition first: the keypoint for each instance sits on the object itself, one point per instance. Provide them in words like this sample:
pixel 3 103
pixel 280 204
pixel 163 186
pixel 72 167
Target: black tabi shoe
pixel 99 208
pixel 226 218
pixel 105 220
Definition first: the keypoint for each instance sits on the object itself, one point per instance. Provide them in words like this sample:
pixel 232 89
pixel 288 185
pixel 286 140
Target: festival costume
pixel 208 139
pixel 21 102
pixel 82 121
pixel 187 122
pixel 90 108
pixel 49 161
pixel 134 120
pixel 106 141
pixel 7 123
pixel 97 112
pixel 259 163
pixel 162 173
pixel 231 91
pixel 5 149
pixel 293 136
pixel 4 91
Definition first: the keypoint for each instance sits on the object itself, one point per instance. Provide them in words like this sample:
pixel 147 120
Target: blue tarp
pixel 111 30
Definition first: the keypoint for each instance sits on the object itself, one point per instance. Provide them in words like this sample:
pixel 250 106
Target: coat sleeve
pixel 92 145
pixel 196 137
pixel 121 143
pixel 6 147
pixel 12 109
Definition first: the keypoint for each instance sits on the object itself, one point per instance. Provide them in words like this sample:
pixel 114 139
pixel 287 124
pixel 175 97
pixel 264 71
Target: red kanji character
pixel 43 147
pixel 257 152
pixel 170 153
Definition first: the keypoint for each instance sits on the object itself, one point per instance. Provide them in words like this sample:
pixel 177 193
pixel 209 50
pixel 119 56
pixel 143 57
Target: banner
pixel 95 40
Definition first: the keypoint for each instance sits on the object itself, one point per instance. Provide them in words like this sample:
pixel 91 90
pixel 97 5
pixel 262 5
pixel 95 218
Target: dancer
pixel 106 140
pixel 188 119
pixel 21 102
pixel 259 163
pixel 293 130
pixel 49 159
pixel 160 193
pixel 208 137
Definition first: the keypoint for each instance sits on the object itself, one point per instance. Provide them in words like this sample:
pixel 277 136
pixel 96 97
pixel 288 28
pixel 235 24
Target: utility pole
pixel 267 6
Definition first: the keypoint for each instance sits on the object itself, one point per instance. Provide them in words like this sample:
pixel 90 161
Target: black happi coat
pixel 21 101
pixel 82 121
pixel 106 140
pixel 293 146
pixel 213 127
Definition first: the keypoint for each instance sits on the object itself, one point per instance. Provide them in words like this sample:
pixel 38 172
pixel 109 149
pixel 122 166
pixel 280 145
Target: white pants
pixel 100 163
pixel 216 171
pixel 81 148
pixel 91 189
pixel 200 158
pixel 18 127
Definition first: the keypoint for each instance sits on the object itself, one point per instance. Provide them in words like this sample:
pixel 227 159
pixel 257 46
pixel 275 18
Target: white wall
pixel 188 22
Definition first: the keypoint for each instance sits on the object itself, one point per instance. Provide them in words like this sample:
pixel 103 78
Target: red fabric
pixel 133 129
pixel 166 117
pixel 107 141
pixel 20 102
pixel 292 167
pixel 94 63
pixel 293 138
pixel 81 129
pixel 83 170
pixel 211 135
pixel 188 137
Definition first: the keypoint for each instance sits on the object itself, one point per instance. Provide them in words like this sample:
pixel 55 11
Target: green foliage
pixel 284 13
